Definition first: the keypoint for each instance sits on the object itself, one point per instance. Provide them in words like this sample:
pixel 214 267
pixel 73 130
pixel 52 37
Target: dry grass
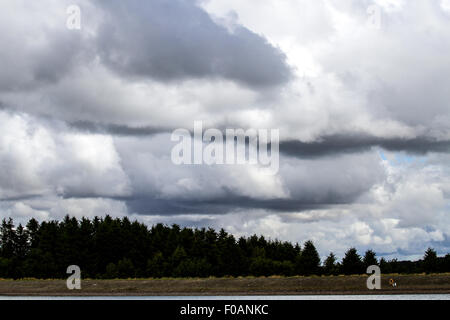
pixel 275 285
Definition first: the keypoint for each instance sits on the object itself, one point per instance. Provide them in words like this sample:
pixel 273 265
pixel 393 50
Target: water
pixel 302 297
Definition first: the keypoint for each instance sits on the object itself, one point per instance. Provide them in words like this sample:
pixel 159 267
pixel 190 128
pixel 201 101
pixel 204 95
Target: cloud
pixel 37 161
pixel 86 116
pixel 160 187
pixel 179 40
pixel 36 51
pixel 338 144
pixel 114 129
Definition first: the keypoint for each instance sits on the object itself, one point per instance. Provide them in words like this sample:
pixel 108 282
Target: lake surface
pixel 305 297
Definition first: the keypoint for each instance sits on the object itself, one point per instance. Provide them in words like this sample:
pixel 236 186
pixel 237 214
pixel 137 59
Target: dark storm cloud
pixel 228 203
pixel 338 144
pixel 217 206
pixel 173 40
pixel 21 197
pixel 115 129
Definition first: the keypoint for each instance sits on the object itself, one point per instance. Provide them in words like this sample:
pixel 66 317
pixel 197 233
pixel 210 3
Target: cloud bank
pixel 362 108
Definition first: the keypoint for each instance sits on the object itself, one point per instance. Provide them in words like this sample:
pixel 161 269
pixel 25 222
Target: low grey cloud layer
pixel 338 144
pixel 363 113
pixel 115 129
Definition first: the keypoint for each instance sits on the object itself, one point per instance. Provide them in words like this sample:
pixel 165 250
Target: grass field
pixel 406 284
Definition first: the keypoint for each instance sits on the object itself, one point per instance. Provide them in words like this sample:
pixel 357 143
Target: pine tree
pixel 430 261
pixel 352 264
pixel 8 238
pixel 156 266
pixel 33 230
pixel 369 259
pixel 120 248
pixel 330 267
pixel 21 243
pixel 309 260
pixel 178 256
pixel 125 268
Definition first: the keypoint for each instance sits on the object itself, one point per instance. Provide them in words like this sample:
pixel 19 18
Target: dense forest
pixel 118 248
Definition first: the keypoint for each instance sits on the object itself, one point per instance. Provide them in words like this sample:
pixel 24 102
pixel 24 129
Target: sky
pixel 358 89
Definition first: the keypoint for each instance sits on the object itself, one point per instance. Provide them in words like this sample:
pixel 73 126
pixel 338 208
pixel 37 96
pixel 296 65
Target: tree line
pixel 110 248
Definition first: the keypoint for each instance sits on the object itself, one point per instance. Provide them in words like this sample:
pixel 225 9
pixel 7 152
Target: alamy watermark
pixel 234 146
pixel 374 17
pixel 374 281
pixel 73 21
pixel 74 280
